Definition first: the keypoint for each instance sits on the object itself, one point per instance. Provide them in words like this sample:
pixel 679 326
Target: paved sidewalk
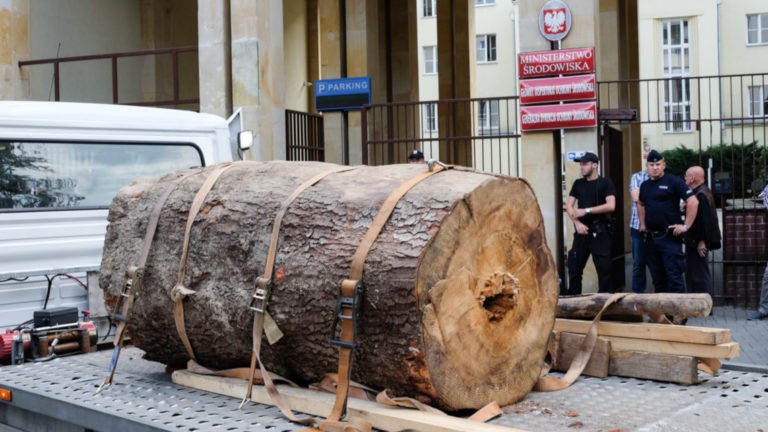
pixel 752 336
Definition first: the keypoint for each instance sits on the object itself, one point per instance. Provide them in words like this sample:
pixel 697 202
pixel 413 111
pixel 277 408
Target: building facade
pixel 263 58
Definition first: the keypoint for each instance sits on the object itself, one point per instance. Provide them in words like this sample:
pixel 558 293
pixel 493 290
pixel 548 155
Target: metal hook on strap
pixel 179 292
pixel 432 162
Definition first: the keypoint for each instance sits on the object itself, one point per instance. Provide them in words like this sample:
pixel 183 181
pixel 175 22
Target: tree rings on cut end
pixel 489 290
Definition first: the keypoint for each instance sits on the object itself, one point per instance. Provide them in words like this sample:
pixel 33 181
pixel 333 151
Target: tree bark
pixel 460 286
pixel 675 305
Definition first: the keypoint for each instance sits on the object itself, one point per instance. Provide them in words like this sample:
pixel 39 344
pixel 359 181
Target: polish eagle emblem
pixel 554 21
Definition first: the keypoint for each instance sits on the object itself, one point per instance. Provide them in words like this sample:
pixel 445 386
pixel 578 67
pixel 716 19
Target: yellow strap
pixel 179 291
pixel 550 383
pixel 355 275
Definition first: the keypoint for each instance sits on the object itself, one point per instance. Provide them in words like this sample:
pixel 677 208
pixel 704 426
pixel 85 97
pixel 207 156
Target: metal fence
pixel 304 136
pixel 722 117
pixel 718 122
pixel 481 132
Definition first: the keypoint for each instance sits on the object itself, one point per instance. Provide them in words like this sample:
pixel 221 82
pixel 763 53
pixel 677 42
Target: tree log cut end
pixel 490 289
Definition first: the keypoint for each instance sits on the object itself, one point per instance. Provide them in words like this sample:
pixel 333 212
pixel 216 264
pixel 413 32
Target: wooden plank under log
pixel 665 332
pixel 319 404
pixel 564 347
pixel 676 305
pixel 659 367
pixel 460 287
pixel 728 350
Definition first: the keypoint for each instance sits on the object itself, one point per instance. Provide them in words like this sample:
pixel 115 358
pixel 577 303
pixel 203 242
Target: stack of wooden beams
pixel 662 352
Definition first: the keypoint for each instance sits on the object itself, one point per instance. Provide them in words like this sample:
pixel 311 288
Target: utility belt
pixel 658 235
pixel 598 227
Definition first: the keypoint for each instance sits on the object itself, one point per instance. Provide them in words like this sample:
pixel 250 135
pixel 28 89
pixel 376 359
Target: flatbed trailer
pixel 61 395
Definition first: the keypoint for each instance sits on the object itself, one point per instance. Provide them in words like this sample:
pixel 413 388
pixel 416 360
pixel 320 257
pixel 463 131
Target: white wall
pixel 84 27
pixel 702 16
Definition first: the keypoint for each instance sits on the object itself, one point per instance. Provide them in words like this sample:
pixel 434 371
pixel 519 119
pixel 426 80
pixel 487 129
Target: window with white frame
pixel 486 48
pixel 758 100
pixel 430 60
pixel 487 116
pixel 757 29
pixel 676 51
pixel 484 2
pixel 430 117
pixel 430 8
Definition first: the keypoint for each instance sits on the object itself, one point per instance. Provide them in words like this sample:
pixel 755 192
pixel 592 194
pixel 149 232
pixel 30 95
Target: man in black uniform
pixel 596 198
pixel 660 219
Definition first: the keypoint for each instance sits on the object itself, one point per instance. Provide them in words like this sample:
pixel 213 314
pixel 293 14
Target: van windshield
pixel 38 175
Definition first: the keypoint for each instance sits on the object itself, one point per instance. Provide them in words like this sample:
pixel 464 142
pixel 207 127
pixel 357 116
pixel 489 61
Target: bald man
pixel 702 237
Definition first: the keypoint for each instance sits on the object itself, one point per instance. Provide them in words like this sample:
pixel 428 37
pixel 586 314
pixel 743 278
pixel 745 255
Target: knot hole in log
pixel 497 294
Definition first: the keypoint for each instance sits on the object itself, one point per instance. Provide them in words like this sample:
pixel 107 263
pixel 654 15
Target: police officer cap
pixel 587 157
pixel 416 155
pixel 654 156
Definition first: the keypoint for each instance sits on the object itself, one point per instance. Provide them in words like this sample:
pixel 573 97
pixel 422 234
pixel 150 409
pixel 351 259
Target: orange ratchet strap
pixel 350 298
pixel 260 298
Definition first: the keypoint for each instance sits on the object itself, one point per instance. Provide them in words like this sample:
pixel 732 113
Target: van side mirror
pixel 245 140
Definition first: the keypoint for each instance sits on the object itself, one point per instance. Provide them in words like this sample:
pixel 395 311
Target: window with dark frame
pixel 430 117
pixel 758 100
pixel 487 116
pixel 429 8
pixel 486 48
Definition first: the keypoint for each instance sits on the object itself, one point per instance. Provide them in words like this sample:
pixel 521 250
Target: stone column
pixel 456 67
pixel 14 46
pixel 329 41
pixel 258 79
pixel 214 57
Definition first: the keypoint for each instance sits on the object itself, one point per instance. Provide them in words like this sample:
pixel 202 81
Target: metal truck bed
pixel 60 395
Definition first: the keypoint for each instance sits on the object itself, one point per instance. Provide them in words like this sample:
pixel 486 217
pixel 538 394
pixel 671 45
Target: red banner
pixel 548 90
pixel 558 62
pixel 560 116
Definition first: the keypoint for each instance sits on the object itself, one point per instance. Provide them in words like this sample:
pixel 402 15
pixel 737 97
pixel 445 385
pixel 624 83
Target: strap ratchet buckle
pixel 261 295
pixel 347 308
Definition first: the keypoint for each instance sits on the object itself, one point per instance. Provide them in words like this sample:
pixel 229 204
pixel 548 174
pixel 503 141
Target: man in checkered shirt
pixel 638 246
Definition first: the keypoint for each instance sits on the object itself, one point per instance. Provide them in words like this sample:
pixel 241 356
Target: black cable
pixel 50 284
pixel 24 324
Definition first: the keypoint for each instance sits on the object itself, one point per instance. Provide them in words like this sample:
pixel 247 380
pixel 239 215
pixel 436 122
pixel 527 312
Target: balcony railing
pixel 175 70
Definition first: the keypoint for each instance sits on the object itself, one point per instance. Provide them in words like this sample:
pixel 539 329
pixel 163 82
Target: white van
pixel 60 166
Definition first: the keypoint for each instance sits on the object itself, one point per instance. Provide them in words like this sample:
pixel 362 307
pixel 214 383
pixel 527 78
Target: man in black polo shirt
pixel 597 199
pixel 660 219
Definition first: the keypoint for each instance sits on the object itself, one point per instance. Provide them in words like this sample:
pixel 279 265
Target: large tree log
pixel 460 287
